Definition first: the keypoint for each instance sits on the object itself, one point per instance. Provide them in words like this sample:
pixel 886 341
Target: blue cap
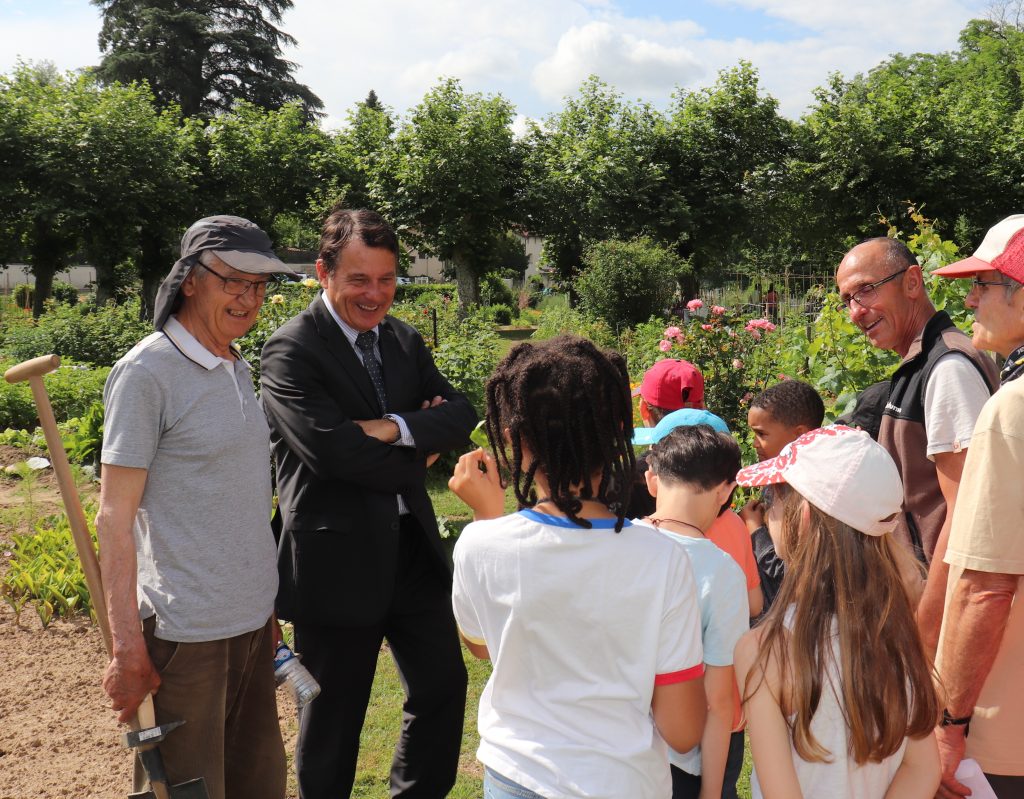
pixel 684 417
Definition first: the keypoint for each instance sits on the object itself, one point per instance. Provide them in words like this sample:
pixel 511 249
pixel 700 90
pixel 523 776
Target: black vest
pixel 903 432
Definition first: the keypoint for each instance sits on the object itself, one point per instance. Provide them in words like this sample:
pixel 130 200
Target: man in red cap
pixel 669 385
pixel 981 646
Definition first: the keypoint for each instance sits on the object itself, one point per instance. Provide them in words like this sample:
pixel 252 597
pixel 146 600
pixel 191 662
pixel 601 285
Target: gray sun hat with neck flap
pixel 237 242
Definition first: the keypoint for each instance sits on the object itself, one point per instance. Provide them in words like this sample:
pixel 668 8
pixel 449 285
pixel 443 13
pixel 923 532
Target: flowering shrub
pixel 725 347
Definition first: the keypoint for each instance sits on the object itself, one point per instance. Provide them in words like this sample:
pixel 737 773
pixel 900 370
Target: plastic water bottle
pixel 288 669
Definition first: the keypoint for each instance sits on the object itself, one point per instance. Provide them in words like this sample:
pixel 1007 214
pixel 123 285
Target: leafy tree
pixel 201 55
pixel 452 180
pixel 594 172
pixel 943 130
pixel 372 102
pixel 357 153
pixel 718 140
pixel 626 282
pixel 140 161
pixel 261 164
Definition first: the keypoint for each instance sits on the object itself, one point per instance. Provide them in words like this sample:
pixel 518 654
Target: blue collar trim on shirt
pixel 562 521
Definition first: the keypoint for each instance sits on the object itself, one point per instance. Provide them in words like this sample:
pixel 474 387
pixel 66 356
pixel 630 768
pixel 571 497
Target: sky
pixel 536 52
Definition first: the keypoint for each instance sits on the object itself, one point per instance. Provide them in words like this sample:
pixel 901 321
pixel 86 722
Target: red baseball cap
pixel 671 384
pixel 1002 250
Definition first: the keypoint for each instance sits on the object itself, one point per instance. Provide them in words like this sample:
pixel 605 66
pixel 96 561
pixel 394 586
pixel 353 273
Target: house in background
pixel 424 268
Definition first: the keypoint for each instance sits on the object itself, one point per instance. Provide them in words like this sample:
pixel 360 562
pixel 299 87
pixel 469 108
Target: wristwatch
pixel 950 721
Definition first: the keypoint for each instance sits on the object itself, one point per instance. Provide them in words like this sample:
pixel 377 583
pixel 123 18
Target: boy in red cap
pixel 669 385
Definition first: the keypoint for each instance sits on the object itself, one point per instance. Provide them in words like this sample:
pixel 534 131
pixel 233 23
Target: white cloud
pixel 913 23
pixel 634 65
pixel 401 48
pixel 486 60
pixel 537 51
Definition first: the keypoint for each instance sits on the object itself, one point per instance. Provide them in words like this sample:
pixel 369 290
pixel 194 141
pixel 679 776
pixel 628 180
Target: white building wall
pixel 78 276
pixel 433 268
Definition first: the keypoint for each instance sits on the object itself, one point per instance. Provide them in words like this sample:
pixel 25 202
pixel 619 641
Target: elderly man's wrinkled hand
pixel 127 680
pixel 952 745
pixel 476 482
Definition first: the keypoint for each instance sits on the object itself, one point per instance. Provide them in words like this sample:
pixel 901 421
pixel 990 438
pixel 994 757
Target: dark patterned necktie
pixel 365 342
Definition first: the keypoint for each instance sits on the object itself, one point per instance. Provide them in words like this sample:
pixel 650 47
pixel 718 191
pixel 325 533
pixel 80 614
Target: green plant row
pixel 44 569
pixel 73 389
pixel 83 333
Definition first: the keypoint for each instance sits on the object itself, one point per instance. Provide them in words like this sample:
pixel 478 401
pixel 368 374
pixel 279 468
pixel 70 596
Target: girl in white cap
pixel 836 686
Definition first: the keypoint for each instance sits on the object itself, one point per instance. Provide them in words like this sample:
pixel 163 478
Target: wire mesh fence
pixel 790 298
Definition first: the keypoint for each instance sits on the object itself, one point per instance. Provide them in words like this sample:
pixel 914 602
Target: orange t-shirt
pixel 730 534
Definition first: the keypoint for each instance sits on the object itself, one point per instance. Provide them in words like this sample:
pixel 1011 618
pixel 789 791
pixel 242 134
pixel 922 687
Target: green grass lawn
pixel 384 715
pixel 384 719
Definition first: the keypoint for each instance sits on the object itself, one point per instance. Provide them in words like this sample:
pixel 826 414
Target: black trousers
pixel 687 786
pixel 423 638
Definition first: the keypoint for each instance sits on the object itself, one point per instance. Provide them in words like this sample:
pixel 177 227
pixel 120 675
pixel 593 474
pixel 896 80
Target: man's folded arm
pixel 318 432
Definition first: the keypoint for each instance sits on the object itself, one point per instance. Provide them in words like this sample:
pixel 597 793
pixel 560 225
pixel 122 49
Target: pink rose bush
pixel 732 352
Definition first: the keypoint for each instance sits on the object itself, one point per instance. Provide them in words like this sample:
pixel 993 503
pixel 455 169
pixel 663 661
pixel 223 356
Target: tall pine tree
pixel 202 54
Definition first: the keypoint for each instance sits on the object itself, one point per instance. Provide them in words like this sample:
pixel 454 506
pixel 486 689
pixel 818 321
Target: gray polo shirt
pixel 206 554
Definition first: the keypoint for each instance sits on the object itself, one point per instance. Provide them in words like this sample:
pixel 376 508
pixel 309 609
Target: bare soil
pixel 58 736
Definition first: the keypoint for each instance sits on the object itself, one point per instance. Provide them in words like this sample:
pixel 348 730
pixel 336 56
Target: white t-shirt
pixel 953 398
pixel 724 613
pixel 580 625
pixel 842 777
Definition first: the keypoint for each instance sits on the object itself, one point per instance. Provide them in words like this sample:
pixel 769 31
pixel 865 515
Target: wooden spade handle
pixel 37 366
pixel 33 371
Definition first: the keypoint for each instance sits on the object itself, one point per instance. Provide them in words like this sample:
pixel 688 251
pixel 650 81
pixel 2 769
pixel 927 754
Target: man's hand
pixel 481 489
pixel 753 515
pixel 127 680
pixel 433 403
pixel 381 429
pixel 952 744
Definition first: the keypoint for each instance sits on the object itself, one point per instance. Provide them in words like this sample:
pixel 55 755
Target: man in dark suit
pixel 356 406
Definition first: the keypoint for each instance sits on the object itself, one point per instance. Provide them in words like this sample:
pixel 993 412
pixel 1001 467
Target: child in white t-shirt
pixel 692 475
pixel 836 686
pixel 592 623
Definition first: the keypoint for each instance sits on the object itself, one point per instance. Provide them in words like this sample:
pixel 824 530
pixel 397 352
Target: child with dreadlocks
pixel 591 622
pixel 836 685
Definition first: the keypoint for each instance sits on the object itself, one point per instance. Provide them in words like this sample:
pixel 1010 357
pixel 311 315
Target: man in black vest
pixel 936 394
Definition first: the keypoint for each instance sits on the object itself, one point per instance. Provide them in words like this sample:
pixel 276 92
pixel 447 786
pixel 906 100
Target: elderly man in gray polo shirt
pixel 187 553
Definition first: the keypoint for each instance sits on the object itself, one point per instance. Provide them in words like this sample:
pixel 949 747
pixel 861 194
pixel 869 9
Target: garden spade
pixel 145 733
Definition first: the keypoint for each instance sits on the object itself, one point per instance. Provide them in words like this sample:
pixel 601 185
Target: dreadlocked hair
pixel 568 402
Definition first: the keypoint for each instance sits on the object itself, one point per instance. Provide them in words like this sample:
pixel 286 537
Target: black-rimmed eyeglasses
pixel 865 295
pixel 980 284
pixel 237 286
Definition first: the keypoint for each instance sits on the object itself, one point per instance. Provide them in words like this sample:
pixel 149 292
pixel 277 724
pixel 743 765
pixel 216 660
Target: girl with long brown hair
pixel 837 688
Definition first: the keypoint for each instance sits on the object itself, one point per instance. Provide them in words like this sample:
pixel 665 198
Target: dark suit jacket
pixel 336 486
